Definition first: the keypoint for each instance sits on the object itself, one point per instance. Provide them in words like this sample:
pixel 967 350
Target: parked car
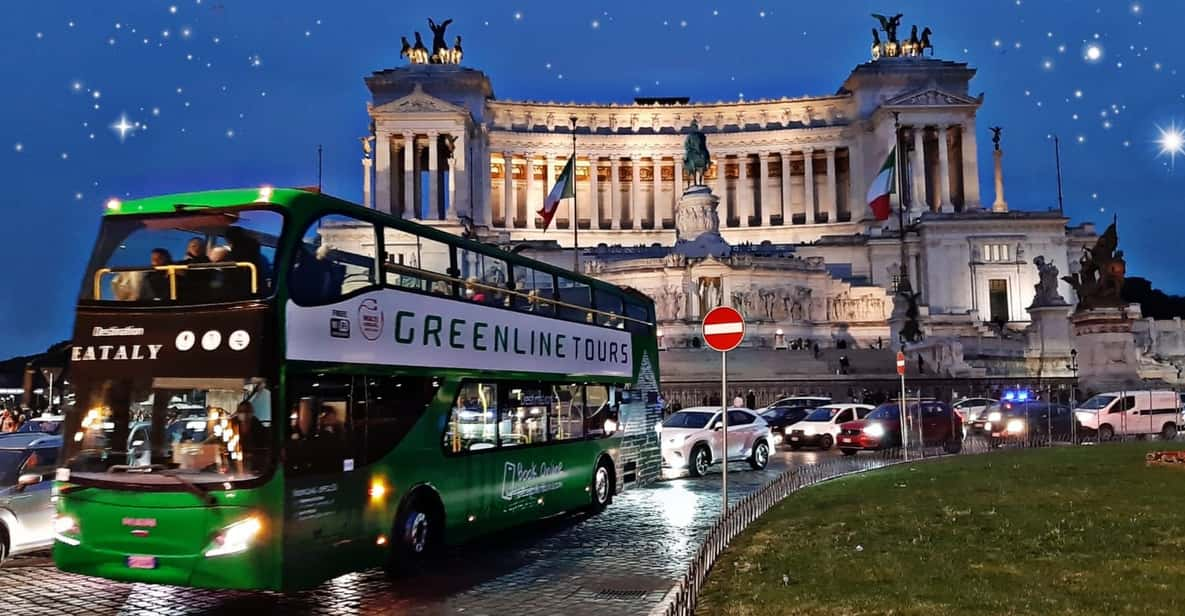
pixel 821 427
pixel 781 417
pixel 881 428
pixel 1131 412
pixel 692 439
pixel 44 424
pixel 1037 421
pixel 27 464
pixel 969 409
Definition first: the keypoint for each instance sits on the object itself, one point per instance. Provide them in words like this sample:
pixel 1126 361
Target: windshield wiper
pixel 192 488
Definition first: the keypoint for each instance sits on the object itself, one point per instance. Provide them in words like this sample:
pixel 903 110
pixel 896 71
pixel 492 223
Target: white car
pixel 821 427
pixel 1131 412
pixel 692 439
pixel 969 409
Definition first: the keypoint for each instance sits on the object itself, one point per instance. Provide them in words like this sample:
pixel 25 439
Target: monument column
pixel 722 187
pixel 917 172
pixel 970 165
pixel 382 175
pixel 656 182
pixel 763 160
pixel 509 202
pixel 614 192
pixel 944 171
pixel 636 208
pixel 744 191
pixel 532 193
pixel 594 193
pixel 457 179
pixel 787 216
pixel 808 184
pixel 832 189
pixel 677 189
pixel 409 176
pixel 433 177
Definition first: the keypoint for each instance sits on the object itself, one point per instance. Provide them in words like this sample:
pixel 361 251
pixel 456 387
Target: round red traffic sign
pixel 900 363
pixel 724 328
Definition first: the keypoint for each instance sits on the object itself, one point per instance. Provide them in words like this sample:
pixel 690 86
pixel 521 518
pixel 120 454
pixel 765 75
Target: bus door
pixel 324 497
pixel 470 446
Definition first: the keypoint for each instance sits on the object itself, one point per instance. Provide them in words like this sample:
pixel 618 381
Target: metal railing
pixel 171 272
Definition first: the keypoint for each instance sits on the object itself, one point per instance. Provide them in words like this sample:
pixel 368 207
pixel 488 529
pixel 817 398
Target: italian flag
pixel 882 187
pixel 565 188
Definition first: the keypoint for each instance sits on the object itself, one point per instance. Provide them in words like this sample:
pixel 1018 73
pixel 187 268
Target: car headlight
pixel 809 430
pixel 994 416
pixel 777 438
pixel 677 440
pixel 235 538
pixel 875 430
pixel 610 426
pixel 1085 417
pixel 65 529
pixel 1014 426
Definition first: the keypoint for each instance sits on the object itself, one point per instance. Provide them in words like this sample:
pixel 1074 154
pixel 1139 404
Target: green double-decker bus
pixel 275 387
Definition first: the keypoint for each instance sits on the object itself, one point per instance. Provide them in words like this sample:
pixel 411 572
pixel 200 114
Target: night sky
pixel 220 93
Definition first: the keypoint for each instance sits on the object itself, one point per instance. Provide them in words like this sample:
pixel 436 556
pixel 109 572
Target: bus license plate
pixel 142 562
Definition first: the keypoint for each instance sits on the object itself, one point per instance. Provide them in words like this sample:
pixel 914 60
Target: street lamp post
pixel 1073 368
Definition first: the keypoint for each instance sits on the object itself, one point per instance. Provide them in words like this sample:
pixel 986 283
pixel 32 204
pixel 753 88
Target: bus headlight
pixel 875 430
pixel 994 416
pixel 610 426
pixel 235 538
pixel 65 529
pixel 1015 426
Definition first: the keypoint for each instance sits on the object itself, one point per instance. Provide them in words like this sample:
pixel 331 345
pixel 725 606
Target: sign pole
pixel 723 329
pixel 902 408
pixel 724 436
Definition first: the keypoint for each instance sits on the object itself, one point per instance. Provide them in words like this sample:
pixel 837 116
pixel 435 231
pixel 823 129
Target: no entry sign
pixel 724 329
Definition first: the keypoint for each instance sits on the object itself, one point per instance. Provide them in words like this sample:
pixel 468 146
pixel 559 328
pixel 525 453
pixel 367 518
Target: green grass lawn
pixel 1068 530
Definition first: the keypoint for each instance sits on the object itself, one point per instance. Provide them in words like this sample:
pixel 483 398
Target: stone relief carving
pixel 711 294
pixel 670 302
pixel 843 307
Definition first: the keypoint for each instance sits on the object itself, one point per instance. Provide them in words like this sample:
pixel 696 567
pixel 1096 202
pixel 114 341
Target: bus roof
pixel 296 199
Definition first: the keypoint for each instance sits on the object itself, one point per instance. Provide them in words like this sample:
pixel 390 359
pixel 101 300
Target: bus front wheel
pixel 602 486
pixel 415 538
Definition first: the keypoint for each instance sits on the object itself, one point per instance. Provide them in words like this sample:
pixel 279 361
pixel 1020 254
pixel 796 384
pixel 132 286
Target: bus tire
pixel 1106 432
pixel 416 534
pixel 701 459
pixel 604 484
pixel 1169 431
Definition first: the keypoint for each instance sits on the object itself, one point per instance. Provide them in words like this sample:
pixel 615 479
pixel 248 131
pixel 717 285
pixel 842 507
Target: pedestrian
pixel 738 402
pixel 751 400
pixel 815 348
pixel 8 421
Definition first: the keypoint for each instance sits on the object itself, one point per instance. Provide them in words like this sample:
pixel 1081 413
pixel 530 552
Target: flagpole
pixel 903 286
pixel 1057 160
pixel 575 212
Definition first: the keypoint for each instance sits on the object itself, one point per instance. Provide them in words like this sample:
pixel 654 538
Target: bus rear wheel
pixel 415 537
pixel 602 486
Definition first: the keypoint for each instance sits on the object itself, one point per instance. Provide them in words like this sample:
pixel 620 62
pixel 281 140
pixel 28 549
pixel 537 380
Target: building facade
pixel 809 261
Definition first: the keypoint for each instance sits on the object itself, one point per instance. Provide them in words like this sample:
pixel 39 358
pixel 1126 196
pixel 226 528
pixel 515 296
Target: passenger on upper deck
pixel 158 280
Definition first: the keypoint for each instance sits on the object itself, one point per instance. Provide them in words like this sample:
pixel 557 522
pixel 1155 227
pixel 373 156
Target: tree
pixel 1153 302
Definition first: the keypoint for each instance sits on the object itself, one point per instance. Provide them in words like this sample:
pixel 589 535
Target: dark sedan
pixel 781 417
pixel 1032 422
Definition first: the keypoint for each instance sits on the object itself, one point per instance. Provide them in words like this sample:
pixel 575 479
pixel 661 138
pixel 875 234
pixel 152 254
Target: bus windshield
pixel 207 429
pixel 197 257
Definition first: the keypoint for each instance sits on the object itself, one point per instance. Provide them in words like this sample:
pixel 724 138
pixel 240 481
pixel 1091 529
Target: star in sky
pixel 1171 142
pixel 123 127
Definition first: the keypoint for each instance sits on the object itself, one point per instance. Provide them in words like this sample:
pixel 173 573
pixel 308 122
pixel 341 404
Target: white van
pixel 1131 412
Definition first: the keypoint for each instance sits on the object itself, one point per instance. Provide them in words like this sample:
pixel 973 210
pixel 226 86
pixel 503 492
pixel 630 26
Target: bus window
pixel 637 311
pixel 472 424
pixel 415 262
pixel 319 424
pixel 393 405
pixel 331 261
pixel 534 290
pixel 197 258
pixel 576 299
pixel 523 417
pixel 609 303
pixel 484 276
pixel 565 421
pixel 600 405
